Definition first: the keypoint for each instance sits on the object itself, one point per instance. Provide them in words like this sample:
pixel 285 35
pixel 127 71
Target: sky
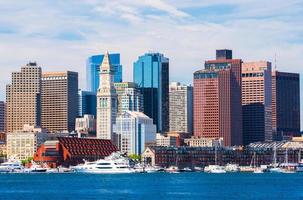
pixel 61 35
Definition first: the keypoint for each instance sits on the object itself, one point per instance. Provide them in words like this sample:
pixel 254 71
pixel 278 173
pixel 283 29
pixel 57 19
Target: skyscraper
pixel 180 108
pixel 23 98
pixel 151 73
pixel 217 99
pixel 134 130
pixel 2 116
pixel 106 100
pixel 93 68
pixel 59 101
pixel 129 97
pixel 285 104
pixel 87 103
pixel 256 101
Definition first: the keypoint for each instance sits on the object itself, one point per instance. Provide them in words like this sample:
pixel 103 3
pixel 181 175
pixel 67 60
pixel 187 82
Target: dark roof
pixel 87 147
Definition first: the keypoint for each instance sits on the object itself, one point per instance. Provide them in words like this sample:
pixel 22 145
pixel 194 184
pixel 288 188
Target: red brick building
pixel 68 151
pixel 217 99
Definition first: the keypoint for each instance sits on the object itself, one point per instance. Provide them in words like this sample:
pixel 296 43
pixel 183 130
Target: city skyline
pixel 189 34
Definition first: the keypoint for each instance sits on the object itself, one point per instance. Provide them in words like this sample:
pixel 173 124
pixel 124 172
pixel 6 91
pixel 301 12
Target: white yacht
pixel 232 168
pixel 11 165
pixel 113 164
pixel 300 166
pixel 37 168
pixel 215 169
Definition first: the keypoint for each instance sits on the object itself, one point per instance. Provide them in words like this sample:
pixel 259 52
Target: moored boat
pixel 113 164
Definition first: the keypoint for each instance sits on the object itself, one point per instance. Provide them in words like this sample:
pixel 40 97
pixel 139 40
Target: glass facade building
pixel 151 74
pixel 87 104
pixel 93 68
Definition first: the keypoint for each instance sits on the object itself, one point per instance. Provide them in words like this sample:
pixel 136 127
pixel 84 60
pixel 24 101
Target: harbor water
pixel 152 186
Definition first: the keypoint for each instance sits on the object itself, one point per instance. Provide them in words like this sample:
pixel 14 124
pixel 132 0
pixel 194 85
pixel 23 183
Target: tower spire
pixel 106 65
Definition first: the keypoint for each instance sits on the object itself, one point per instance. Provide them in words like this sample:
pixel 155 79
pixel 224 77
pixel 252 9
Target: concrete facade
pixel 180 108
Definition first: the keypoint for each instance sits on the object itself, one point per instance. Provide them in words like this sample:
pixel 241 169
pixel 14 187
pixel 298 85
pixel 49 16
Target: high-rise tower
pixel 106 100
pixel 151 73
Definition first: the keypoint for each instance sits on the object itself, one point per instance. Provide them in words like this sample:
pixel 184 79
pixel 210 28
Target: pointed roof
pixel 106 65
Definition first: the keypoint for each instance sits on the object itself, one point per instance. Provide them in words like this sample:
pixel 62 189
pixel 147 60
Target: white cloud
pixel 254 31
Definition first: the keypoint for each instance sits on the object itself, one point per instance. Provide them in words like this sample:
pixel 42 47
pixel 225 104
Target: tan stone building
pixel 59 101
pixel 23 98
pixel 24 143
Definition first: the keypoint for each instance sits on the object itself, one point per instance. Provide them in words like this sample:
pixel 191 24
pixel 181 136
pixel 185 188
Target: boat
pixel 186 169
pixel 141 168
pixel 232 168
pixel 172 169
pixel 12 165
pixel 252 167
pixel 258 170
pixel 215 169
pixel 37 168
pixel 300 166
pixel 113 164
pixel 274 168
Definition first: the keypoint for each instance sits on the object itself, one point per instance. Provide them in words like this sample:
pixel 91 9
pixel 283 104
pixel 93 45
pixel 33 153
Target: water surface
pixel 152 186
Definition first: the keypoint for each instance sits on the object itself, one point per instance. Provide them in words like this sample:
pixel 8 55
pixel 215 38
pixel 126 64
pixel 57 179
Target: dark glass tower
pixel 151 73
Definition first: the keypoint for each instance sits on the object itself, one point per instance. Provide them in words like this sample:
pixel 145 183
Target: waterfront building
pixel 86 125
pixel 67 151
pixel 129 97
pixel 93 70
pixel 204 156
pixel 165 140
pixel 256 101
pixel 23 98
pixel 217 99
pixel 133 131
pixel 87 103
pixel 203 142
pixel 59 101
pixel 2 116
pixel 151 73
pixel 180 108
pixel 2 148
pixel 24 143
pixel 106 100
pixel 285 104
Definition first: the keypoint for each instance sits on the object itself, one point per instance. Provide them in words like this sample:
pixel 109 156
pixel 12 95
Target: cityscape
pixel 233 105
pixel 152 99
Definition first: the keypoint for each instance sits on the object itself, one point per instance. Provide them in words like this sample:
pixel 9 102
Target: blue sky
pixel 60 35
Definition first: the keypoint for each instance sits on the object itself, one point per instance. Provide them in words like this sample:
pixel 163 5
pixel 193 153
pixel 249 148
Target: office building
pixel 23 98
pixel 180 108
pixel 165 140
pixel 133 131
pixel 217 100
pixel 24 143
pixel 151 73
pixel 2 116
pixel 59 101
pixel 203 142
pixel 93 69
pixel 86 125
pixel 256 102
pixel 285 104
pixel 129 97
pixel 106 101
pixel 87 103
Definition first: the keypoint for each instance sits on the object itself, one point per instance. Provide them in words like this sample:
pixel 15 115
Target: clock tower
pixel 106 100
